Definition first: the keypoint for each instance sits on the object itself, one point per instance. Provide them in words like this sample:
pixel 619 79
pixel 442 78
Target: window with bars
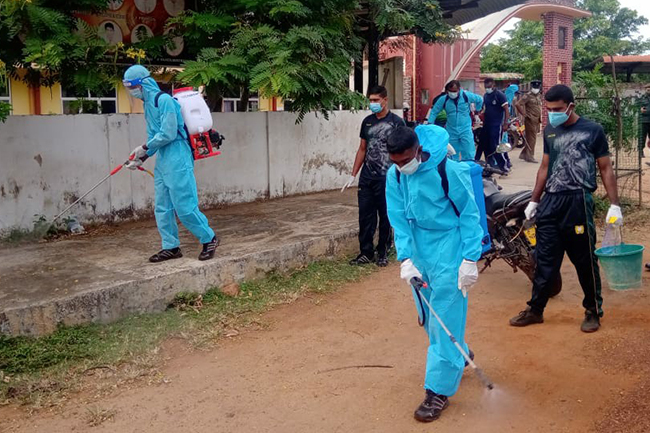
pixel 230 105
pixel 94 103
pixel 561 38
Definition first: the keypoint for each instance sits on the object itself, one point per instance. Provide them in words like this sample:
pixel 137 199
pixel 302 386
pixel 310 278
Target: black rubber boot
pixel 164 255
pixel 431 407
pixel 209 249
pixel 591 322
pixel 526 317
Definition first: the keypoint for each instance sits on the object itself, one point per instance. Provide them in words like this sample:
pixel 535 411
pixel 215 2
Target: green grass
pixel 27 363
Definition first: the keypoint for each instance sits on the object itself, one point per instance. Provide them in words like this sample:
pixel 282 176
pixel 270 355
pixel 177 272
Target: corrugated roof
pixel 627 59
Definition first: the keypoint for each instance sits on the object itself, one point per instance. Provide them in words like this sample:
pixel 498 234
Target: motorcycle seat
pixel 498 202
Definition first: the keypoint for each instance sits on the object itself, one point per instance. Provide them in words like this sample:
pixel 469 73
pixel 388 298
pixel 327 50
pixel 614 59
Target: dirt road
pixel 550 377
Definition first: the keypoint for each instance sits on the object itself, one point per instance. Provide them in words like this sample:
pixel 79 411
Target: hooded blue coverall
pixel 459 122
pixel 428 232
pixel 174 181
pixel 510 96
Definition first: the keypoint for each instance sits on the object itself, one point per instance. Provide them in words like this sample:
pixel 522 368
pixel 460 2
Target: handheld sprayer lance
pixel 114 171
pixel 418 284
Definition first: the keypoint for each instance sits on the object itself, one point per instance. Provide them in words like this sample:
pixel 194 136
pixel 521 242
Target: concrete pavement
pixel 105 275
pixel 524 173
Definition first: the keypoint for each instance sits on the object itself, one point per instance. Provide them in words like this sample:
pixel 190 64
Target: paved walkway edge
pixel 150 295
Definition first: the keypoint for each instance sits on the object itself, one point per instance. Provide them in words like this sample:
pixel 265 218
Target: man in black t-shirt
pixel 373 156
pixel 573 147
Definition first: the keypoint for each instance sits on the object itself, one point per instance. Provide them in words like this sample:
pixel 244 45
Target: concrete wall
pixel 46 162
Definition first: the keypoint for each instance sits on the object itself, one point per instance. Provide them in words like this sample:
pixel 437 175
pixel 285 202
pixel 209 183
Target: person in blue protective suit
pixel 457 104
pixel 175 185
pixel 438 239
pixel 511 91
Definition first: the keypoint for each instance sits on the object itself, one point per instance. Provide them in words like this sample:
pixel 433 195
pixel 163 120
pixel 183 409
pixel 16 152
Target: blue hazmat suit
pixel 459 122
pixel 428 232
pixel 175 184
pixel 510 96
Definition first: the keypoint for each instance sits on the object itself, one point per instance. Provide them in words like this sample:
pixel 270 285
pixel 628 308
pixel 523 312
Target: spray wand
pixel 419 284
pixel 114 171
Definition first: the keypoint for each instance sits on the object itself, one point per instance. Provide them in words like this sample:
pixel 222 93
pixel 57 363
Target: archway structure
pixel 558 16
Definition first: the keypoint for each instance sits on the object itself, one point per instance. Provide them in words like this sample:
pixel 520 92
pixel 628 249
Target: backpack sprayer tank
pixel 204 140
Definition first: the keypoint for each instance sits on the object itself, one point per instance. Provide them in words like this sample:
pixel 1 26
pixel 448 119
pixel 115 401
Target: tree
pixel 5 108
pixel 521 53
pixel 297 50
pixel 610 30
pixel 598 89
pixel 382 19
pixel 43 39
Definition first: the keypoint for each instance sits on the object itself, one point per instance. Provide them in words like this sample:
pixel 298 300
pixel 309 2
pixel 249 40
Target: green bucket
pixel 623 265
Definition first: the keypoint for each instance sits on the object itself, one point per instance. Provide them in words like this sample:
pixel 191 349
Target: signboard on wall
pixel 129 21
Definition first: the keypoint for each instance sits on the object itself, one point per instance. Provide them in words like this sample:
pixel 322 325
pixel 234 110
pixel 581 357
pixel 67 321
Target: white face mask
pixel 453 95
pixel 410 167
pixel 490 90
pixel 535 91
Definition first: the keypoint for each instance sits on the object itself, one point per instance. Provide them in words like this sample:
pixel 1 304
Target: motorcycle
pixel 516 133
pixel 513 237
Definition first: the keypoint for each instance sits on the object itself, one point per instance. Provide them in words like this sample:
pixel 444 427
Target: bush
pixel 596 101
pixel 5 111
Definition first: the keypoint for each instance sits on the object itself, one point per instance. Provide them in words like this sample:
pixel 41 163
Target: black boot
pixel 360 260
pixel 209 249
pixel 164 255
pixel 382 260
pixel 526 317
pixel 591 322
pixel 431 407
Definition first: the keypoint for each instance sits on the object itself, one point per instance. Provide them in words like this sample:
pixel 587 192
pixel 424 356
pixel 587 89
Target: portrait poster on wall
pixel 130 21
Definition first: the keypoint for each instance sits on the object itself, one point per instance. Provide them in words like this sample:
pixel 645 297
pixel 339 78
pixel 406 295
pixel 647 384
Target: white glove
pixel 467 276
pixel 133 163
pixel 614 215
pixel 139 152
pixel 450 150
pixel 531 210
pixel 408 271
pixel 349 183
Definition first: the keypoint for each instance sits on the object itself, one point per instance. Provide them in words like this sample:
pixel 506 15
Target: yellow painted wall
pixel 21 101
pixel 51 100
pixel 266 104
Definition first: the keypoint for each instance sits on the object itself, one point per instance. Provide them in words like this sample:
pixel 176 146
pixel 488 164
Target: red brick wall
pixel 557 62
